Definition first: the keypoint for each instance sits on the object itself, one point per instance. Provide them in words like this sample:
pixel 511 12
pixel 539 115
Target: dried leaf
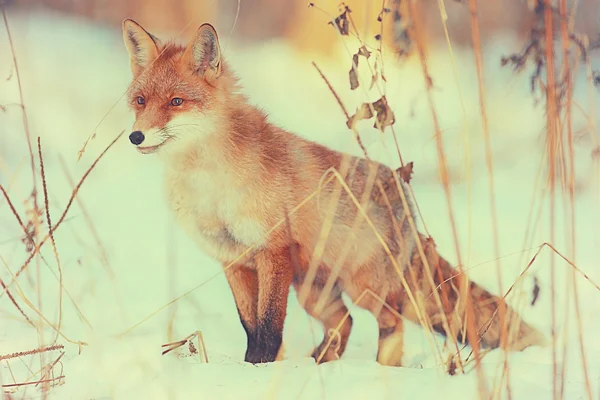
pixel 353 79
pixel 353 75
pixel 536 290
pixel 452 367
pixel 10 74
pixel 341 21
pixel 385 115
pixel 362 112
pixel 406 172
pixel 192 348
pixel 374 76
pixel 373 80
pixel 389 186
pixel 384 10
pixel 363 51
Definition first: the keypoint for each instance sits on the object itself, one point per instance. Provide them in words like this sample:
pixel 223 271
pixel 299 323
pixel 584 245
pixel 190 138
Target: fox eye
pixel 176 101
pixel 140 100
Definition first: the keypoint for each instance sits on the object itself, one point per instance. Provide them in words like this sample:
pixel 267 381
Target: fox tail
pixel 486 308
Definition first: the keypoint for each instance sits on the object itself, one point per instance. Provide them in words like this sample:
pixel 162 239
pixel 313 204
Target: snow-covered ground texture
pixel 123 259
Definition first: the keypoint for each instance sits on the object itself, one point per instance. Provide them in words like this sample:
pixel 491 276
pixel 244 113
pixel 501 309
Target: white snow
pixel 73 72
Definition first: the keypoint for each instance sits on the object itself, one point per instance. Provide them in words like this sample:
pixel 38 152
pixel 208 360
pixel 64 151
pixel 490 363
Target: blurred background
pixel 308 29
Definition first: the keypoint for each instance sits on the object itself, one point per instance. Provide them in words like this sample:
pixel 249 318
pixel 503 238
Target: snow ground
pixel 73 72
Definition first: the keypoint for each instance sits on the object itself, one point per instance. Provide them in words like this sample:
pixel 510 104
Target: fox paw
pixel 264 352
pixel 324 352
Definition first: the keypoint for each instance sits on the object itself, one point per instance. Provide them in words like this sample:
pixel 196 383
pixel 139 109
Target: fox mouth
pixel 151 149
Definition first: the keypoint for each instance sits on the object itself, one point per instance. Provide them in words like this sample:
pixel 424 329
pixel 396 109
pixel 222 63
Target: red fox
pixel 232 177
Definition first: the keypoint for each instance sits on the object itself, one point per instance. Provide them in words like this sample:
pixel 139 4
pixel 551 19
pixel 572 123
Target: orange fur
pixel 231 176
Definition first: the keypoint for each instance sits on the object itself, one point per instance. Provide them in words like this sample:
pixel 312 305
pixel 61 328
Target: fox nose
pixel 136 137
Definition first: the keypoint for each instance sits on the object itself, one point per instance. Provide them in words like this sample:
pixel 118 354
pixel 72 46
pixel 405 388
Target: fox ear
pixel 141 45
pixel 203 53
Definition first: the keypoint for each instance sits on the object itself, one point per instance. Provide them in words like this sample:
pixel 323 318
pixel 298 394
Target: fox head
pixel 177 91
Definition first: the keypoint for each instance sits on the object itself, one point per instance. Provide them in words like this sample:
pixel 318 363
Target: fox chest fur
pixel 210 204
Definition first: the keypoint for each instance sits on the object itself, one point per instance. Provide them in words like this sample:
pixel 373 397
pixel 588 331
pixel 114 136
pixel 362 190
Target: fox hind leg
pixel 369 294
pixel 330 311
pixel 391 338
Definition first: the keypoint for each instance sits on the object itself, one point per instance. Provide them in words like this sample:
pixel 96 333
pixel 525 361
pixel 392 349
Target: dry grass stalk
pixel 566 44
pixel 28 239
pixel 50 232
pixel 31 352
pixel 25 120
pixel 17 306
pixel 348 118
pixel 477 49
pixel 552 143
pixel 56 381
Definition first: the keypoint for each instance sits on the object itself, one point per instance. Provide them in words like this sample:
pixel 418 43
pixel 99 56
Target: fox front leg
pixel 243 281
pixel 274 274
